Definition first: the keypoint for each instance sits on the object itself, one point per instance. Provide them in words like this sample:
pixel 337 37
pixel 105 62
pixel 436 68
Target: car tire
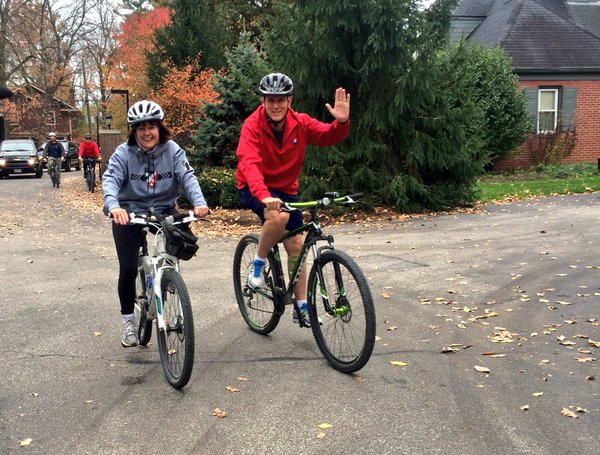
pixel 78 166
pixel 39 173
pixel 67 165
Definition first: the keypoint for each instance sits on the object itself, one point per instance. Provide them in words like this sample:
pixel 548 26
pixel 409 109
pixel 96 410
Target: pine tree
pixel 411 143
pixel 197 33
pixel 218 131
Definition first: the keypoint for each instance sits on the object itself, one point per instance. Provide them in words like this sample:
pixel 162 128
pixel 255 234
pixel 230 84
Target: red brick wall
pixel 588 125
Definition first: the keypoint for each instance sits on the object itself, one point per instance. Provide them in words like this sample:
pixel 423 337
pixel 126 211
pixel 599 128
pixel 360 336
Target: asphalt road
pixel 520 281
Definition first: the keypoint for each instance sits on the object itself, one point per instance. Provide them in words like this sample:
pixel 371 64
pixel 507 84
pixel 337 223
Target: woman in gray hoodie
pixel 146 173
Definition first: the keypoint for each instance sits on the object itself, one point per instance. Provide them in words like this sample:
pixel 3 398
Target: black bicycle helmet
pixel 144 111
pixel 276 84
pixel 88 136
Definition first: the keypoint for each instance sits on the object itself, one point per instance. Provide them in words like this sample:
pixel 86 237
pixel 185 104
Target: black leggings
pixel 128 240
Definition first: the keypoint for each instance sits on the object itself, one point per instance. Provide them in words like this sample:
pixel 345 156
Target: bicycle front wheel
pixel 91 177
pixel 143 325
pixel 341 311
pixel 176 343
pixel 257 307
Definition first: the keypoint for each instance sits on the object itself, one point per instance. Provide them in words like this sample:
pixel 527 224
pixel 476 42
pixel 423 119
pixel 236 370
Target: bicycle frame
pixel 159 261
pixel 283 296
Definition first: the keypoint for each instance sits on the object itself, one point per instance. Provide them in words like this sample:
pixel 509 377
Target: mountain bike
pixel 162 295
pixel 89 170
pixel 53 166
pixel 340 305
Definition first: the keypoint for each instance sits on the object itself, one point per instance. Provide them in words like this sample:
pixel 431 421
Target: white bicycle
pixel 162 295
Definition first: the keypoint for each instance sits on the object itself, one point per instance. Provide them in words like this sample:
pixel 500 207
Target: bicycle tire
pixel 90 178
pixel 52 172
pixel 258 309
pixel 176 343
pixel 143 325
pixel 345 335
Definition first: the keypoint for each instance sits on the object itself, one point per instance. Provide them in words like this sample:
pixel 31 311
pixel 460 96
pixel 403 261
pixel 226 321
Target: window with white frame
pixel 547 110
pixel 51 118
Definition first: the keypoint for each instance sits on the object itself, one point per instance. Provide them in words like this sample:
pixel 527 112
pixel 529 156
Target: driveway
pixel 495 314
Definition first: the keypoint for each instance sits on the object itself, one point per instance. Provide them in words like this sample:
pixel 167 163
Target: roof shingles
pixel 541 35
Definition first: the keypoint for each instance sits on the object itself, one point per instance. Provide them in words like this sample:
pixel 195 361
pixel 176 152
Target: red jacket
pixel 89 150
pixel 263 163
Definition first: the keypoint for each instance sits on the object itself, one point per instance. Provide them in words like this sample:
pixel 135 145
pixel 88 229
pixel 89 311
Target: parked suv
pixel 71 159
pixel 19 156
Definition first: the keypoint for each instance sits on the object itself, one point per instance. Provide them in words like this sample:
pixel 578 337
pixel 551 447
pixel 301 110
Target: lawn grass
pixel 539 181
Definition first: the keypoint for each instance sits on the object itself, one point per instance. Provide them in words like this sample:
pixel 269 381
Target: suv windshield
pixel 16 147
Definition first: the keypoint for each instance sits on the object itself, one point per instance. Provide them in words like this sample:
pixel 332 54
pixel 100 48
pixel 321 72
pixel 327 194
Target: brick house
pixel 555 50
pixel 32 113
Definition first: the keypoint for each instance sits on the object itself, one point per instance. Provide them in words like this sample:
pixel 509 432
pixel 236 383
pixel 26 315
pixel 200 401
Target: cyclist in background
pixel 270 157
pixel 145 173
pixel 88 151
pixel 55 153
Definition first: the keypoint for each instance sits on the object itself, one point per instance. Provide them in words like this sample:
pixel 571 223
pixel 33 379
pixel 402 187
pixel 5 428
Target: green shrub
pixel 219 187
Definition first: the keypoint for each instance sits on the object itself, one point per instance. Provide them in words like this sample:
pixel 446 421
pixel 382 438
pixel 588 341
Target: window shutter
pixel 569 105
pixel 532 106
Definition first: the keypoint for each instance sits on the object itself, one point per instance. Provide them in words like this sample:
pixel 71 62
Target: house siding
pixel 587 119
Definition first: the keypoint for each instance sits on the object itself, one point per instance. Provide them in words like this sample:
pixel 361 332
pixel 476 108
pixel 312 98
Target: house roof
pixel 64 105
pixel 540 36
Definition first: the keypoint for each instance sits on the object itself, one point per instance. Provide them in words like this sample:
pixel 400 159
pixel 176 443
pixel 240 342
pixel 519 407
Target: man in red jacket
pixel 271 153
pixel 88 151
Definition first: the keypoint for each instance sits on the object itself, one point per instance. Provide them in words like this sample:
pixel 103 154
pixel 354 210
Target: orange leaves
pixel 136 40
pixel 182 95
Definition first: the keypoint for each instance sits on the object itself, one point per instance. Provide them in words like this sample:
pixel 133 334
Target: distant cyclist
pixel 88 153
pixel 55 153
pixel 271 154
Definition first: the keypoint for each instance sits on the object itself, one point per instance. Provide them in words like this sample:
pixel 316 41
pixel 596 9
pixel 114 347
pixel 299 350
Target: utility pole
pixel 87 98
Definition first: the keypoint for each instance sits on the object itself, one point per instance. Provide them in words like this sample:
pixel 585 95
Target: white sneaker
pixel 256 279
pixel 128 335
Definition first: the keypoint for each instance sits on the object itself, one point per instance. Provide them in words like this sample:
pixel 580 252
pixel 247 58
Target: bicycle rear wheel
pixel 176 343
pixel 257 307
pixel 143 325
pixel 340 296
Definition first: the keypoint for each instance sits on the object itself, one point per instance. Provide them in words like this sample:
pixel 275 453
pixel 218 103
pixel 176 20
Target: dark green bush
pixel 219 187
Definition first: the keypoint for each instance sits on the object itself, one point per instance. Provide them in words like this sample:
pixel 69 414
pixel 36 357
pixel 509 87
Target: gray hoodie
pixel 138 181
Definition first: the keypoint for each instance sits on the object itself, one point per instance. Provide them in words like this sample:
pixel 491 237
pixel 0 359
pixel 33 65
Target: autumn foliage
pixel 135 41
pixel 182 95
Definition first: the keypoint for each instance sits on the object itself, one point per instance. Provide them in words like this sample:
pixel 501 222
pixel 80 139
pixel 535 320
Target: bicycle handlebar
pixel 145 218
pixel 327 199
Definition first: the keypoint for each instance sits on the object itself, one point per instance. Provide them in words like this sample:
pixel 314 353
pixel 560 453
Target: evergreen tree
pixel 197 33
pixel 409 145
pixel 218 131
pixel 489 78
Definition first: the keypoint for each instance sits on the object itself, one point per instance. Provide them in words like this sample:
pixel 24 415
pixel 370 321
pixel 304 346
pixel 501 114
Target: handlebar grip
pixel 356 195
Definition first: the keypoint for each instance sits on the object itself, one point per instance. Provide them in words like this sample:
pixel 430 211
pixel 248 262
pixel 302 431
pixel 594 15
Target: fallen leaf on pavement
pixel 538 394
pixel 586 359
pixel 481 369
pixel 397 363
pixel 218 413
pixel 525 408
pixel 325 426
pixel 232 389
pixel 567 412
pixel 25 442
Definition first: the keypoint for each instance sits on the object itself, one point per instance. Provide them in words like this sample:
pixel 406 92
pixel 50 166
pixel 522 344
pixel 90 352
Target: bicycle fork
pixel 157 293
